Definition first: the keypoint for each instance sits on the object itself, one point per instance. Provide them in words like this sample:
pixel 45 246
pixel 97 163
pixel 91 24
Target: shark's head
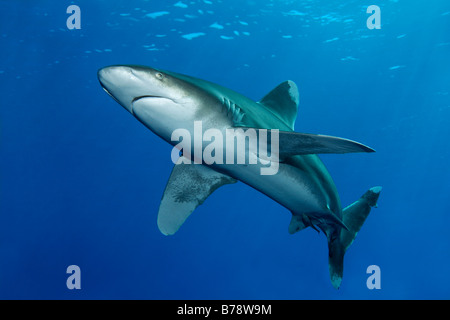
pixel 160 100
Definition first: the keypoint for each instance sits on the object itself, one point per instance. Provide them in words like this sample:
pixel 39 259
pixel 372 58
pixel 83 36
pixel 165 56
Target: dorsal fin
pixel 283 102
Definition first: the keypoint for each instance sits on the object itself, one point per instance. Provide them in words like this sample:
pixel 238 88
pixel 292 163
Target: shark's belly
pixel 298 190
pixel 302 184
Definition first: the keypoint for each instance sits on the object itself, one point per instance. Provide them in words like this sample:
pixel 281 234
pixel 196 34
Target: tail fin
pixel 353 217
pixel 355 214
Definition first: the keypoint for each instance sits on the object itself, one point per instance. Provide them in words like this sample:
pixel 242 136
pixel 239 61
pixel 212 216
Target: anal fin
pixel 300 222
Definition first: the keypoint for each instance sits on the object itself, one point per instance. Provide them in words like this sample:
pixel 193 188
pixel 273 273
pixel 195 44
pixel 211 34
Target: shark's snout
pixel 123 83
pixel 102 76
pixel 132 84
pixel 109 75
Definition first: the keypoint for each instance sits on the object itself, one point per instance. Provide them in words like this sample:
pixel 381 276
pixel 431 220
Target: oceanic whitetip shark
pixel 166 101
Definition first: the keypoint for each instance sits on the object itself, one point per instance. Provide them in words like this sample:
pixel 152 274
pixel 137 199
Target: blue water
pixel 81 179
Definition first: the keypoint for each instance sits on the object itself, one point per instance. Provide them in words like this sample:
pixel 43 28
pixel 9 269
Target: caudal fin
pixel 353 217
pixel 355 214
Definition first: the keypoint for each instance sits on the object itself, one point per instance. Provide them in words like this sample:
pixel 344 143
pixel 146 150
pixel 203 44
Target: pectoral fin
pixel 188 186
pixel 294 143
pixel 290 143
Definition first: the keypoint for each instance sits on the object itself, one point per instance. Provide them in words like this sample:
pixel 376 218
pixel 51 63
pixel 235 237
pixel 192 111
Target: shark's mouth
pixel 146 96
pixel 149 101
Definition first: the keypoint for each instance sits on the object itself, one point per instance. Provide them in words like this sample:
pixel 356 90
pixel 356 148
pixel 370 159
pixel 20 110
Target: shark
pixel 165 101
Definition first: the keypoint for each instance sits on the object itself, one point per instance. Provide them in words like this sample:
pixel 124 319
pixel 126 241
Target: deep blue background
pixel 81 179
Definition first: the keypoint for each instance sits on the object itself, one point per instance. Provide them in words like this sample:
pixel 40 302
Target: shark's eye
pixel 159 76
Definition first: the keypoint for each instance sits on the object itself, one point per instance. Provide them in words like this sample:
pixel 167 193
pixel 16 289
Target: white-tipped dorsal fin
pixel 188 186
pixel 283 102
